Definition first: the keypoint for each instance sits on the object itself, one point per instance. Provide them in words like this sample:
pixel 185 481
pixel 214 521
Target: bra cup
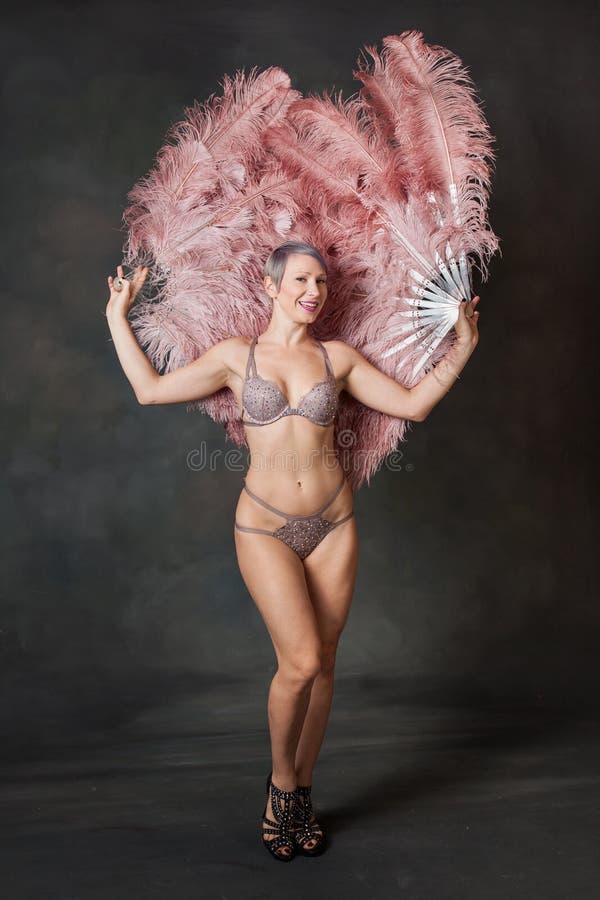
pixel 320 403
pixel 262 399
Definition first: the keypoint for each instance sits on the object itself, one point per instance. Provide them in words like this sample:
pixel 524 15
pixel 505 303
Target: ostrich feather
pixel 444 139
pixel 436 120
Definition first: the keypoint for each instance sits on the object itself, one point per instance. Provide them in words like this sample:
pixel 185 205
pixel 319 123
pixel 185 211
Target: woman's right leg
pixel 274 576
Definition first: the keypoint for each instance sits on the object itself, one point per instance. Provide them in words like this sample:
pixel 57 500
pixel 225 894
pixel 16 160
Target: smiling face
pixel 303 288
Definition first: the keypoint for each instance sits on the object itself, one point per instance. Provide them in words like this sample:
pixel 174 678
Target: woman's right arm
pixel 195 381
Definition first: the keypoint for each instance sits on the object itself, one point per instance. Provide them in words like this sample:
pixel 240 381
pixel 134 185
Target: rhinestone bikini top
pixel 263 402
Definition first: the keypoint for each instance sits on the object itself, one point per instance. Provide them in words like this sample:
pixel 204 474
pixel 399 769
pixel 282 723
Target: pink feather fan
pixel 391 185
pixel 428 101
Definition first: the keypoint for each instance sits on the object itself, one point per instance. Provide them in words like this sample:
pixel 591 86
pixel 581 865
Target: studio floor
pixel 421 799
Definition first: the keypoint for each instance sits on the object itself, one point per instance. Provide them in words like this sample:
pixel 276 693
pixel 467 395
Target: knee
pixel 302 669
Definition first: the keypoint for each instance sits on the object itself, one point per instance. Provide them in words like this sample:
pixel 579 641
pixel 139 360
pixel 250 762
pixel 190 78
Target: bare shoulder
pixel 231 351
pixel 342 356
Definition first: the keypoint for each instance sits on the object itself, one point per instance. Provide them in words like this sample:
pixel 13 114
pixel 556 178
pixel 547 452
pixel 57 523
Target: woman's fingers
pixel 129 288
pixel 469 307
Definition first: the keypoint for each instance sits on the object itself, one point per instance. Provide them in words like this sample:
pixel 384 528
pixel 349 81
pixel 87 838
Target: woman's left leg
pixel 330 577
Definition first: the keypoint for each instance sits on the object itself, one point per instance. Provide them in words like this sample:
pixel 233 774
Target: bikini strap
pixel 287 515
pixel 327 360
pixel 331 499
pixel 264 503
pixel 251 364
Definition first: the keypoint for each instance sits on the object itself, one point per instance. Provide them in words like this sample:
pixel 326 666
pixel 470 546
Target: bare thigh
pixel 304 603
pixel 274 576
pixel 330 572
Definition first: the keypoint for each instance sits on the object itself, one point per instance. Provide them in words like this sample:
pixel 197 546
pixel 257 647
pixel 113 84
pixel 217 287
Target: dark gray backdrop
pixel 478 570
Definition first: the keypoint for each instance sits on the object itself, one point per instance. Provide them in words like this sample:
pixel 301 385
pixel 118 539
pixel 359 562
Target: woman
pixel 299 572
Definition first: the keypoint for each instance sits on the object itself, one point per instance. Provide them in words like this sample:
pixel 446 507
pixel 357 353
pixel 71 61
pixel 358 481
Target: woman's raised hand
pixel 466 325
pixel 120 302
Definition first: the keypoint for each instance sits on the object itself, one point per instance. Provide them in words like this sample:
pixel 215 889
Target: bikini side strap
pixel 331 499
pixel 265 504
pixel 328 365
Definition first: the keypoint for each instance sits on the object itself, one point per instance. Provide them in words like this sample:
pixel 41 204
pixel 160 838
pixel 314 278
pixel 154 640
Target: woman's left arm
pixel 375 389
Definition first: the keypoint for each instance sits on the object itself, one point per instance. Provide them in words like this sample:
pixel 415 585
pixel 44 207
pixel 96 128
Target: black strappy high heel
pixel 307 827
pixel 282 803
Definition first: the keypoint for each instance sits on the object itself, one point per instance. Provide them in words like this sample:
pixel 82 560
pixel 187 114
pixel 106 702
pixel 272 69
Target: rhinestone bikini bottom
pixel 301 533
